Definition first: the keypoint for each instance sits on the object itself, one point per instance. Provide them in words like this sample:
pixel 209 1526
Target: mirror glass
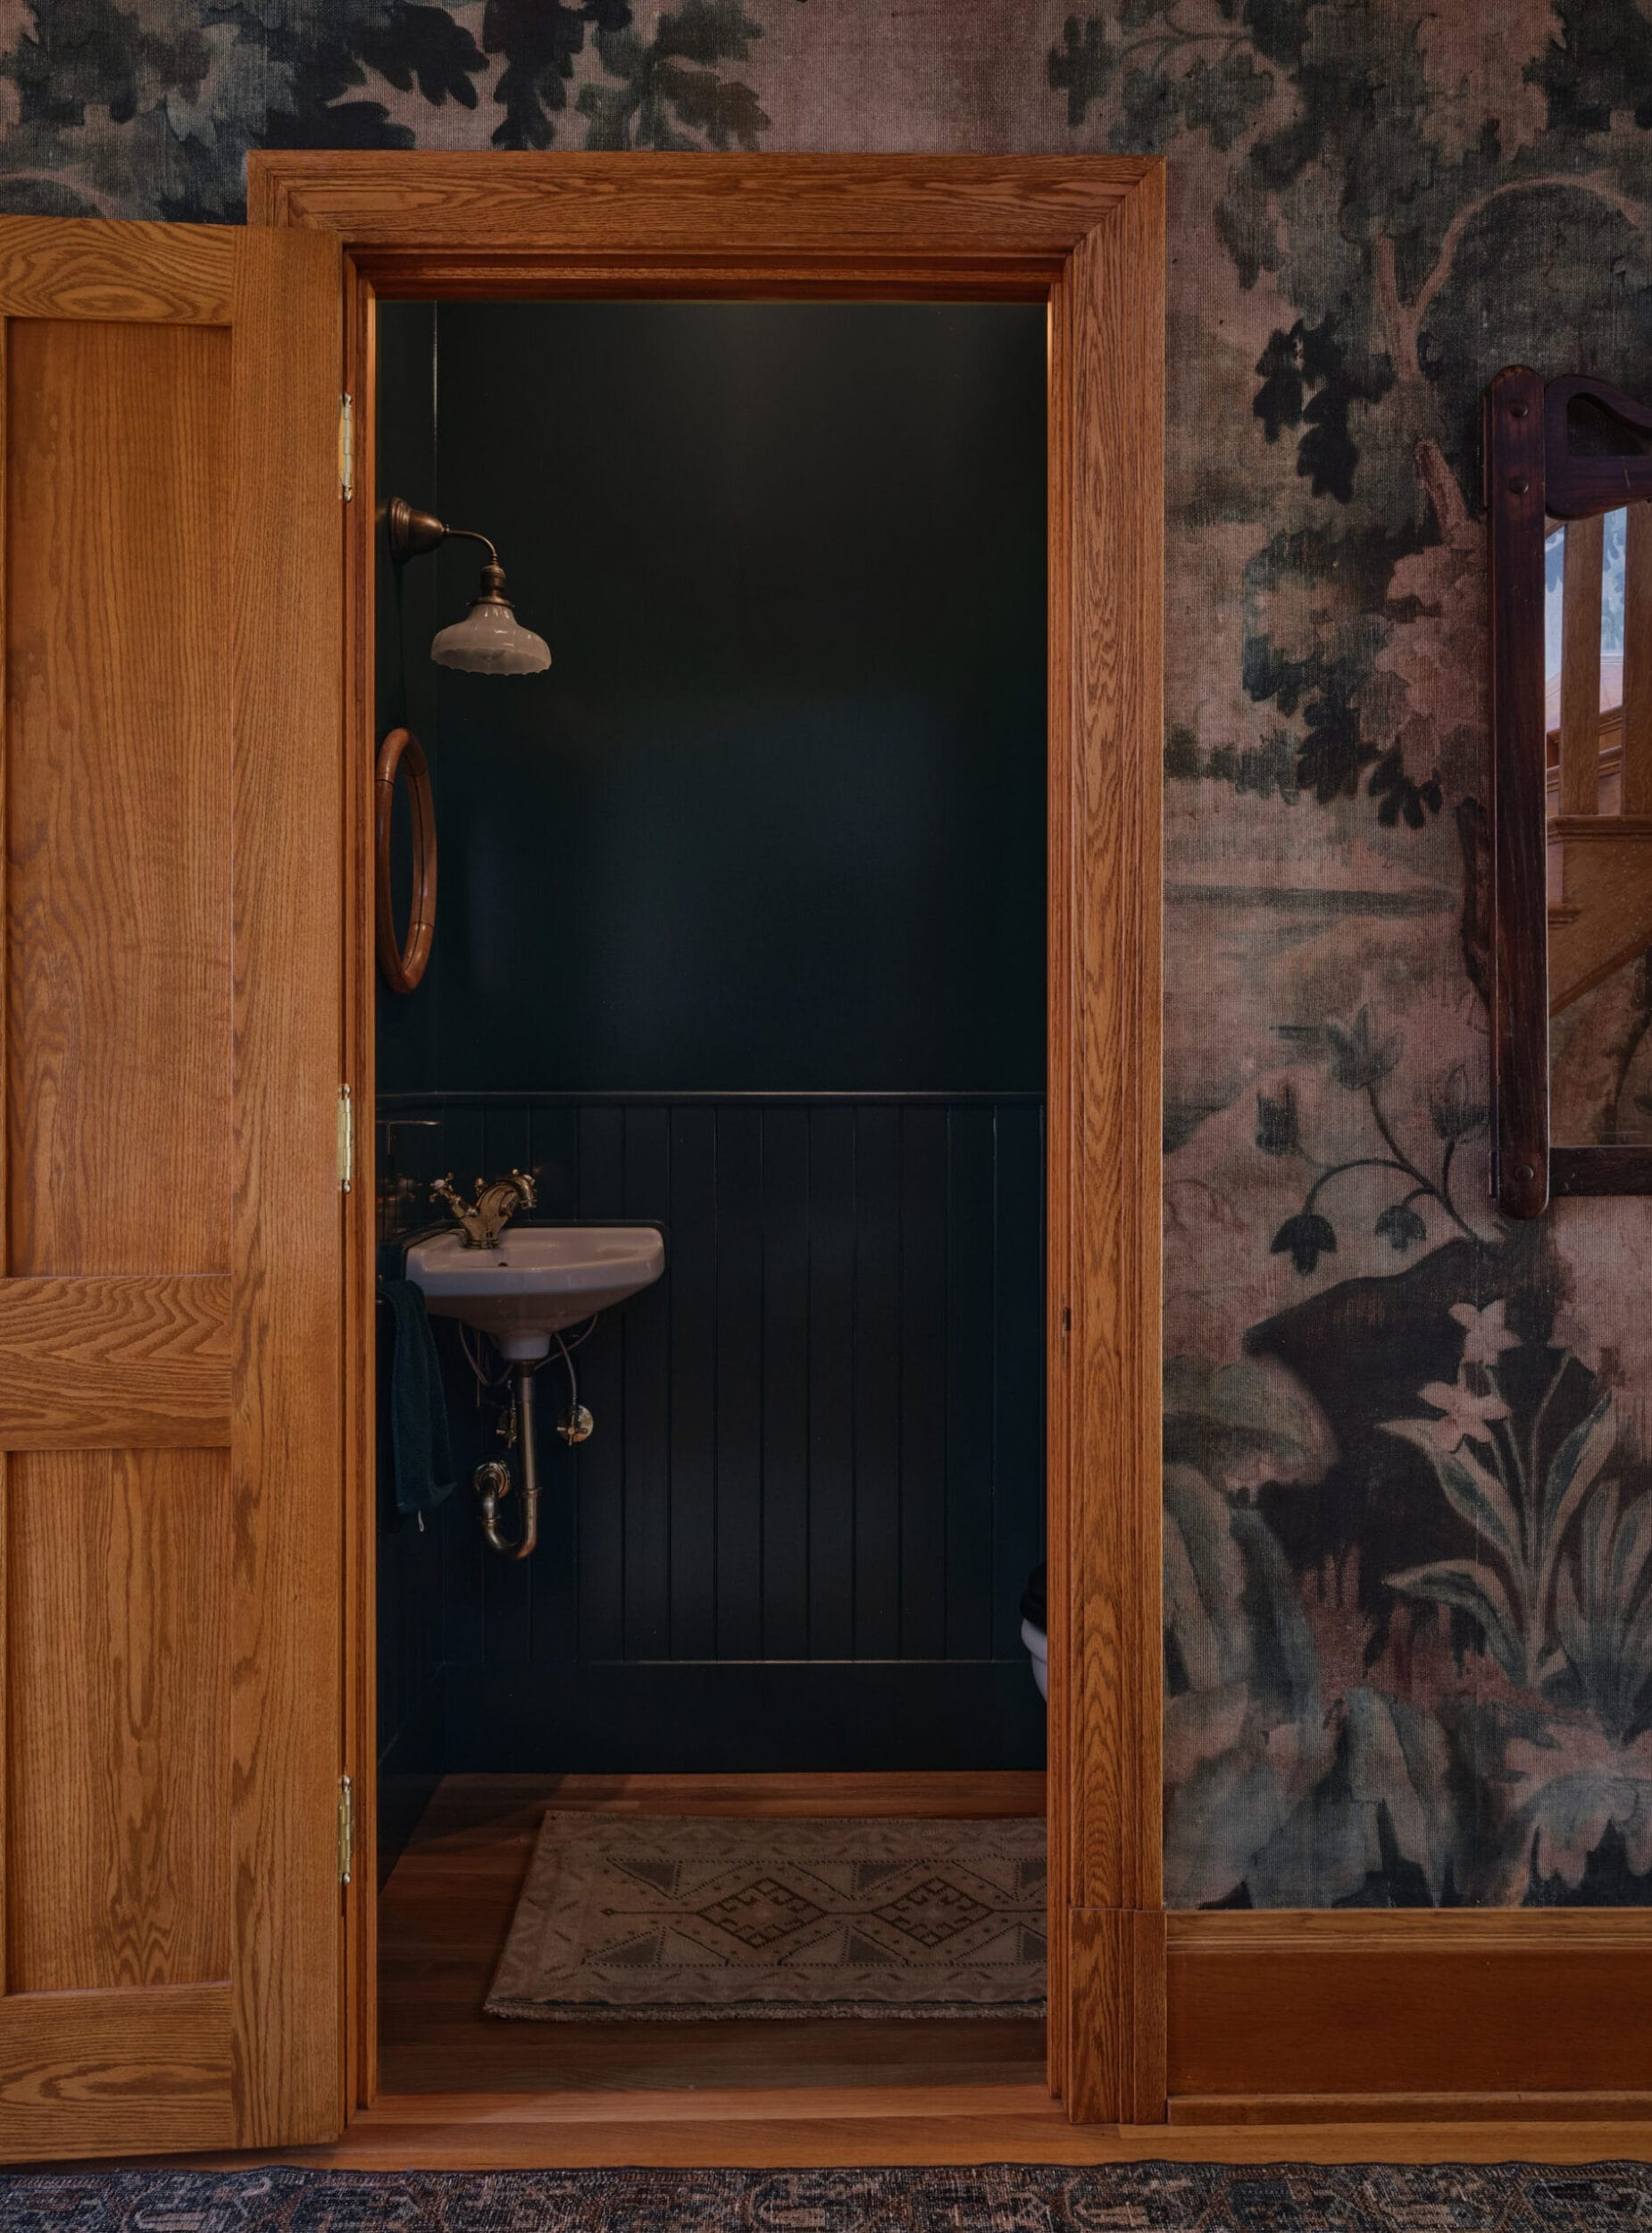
pixel 1600 860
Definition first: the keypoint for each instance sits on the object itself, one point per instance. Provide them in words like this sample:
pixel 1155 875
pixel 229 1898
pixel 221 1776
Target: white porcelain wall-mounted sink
pixel 538 1280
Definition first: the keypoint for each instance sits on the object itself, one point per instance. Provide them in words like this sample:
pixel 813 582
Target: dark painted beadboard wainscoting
pixel 798 1534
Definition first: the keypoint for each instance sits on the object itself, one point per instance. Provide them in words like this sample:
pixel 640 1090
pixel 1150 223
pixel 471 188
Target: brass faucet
pixel 483 1220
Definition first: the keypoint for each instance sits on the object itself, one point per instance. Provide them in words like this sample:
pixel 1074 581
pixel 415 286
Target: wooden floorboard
pixel 795 2127
pixel 466 2092
pixel 444 1914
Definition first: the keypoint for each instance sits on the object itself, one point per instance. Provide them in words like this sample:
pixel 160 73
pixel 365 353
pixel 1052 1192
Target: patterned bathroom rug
pixel 998 2198
pixel 672 1918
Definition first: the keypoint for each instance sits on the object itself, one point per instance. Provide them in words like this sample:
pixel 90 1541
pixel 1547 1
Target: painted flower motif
pixel 1486 1336
pixel 1359 1060
pixel 1452 1110
pixel 1307 1236
pixel 1276 1122
pixel 1399 1225
pixel 1466 1414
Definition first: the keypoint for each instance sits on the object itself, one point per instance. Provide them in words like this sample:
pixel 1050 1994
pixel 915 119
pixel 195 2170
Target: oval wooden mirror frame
pixel 402 960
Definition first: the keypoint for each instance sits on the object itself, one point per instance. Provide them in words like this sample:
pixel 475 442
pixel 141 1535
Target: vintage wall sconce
pixel 488 640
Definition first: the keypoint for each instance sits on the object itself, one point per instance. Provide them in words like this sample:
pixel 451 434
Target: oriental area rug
pixel 996 2198
pixel 673 1918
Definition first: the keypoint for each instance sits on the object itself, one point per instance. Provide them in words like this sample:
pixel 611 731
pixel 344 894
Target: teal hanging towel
pixel 421 1453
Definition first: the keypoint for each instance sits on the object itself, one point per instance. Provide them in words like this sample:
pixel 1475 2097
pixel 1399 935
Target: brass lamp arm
pixel 412 533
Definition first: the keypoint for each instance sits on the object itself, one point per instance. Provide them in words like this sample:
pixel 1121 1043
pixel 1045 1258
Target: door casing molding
pixel 1084 235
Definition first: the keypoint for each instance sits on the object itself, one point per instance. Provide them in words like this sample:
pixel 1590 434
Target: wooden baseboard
pixel 1275 2110
pixel 1114 2058
pixel 1349 2015
pixel 841 2125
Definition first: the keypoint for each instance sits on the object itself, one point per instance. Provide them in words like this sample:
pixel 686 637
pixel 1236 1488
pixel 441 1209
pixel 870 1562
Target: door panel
pixel 170 1286
pixel 120 1583
pixel 117 699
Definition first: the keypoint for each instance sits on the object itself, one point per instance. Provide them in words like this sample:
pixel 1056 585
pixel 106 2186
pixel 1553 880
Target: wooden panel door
pixel 170 1637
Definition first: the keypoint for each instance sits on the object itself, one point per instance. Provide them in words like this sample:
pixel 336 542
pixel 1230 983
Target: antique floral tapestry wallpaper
pixel 1408 1515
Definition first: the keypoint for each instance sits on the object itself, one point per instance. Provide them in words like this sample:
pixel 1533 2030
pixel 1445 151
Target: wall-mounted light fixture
pixel 489 640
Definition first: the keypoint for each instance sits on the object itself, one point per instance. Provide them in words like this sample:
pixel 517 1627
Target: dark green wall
pixel 774 818
pixel 771 827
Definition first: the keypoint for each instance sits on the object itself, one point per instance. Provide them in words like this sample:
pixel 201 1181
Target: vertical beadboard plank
pixel 599 1464
pixel 509 1585
pixel 693 1272
pixel 785 1383
pixel 645 1424
pixel 740 1383
pixel 969 1368
pixel 832 1387
pixel 465 1557
pixel 924 1382
pixel 877 1381
pixel 554 1144
pixel 465 1143
pixel 1017 1339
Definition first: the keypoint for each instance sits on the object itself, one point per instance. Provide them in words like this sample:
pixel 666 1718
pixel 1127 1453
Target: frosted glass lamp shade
pixel 491 641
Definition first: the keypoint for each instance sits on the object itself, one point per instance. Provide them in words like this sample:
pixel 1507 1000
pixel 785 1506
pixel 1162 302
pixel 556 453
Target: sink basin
pixel 538 1280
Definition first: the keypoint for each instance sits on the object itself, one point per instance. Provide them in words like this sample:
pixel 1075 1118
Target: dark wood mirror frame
pixel 1533 476
pixel 402 959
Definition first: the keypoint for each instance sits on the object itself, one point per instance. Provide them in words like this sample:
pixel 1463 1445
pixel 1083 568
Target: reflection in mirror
pixel 1600 864
pixel 1568 858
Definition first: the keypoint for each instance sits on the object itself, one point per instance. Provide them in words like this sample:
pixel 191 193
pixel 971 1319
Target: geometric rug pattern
pixel 1002 2198
pixel 668 1918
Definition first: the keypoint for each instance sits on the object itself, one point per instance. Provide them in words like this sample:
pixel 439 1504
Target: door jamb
pixel 1084 234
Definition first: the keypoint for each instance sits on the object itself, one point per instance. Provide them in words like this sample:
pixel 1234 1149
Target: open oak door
pixel 171 1291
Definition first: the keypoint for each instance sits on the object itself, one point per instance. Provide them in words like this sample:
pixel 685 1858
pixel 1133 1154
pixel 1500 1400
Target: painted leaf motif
pixel 1604 1614
pixel 1473 1491
pixel 1571 1819
pixel 1576 1467
pixel 1468 1587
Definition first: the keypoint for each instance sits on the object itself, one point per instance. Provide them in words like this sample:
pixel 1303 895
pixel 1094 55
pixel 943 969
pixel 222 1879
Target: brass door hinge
pixel 347 1827
pixel 346 447
pixel 346 1137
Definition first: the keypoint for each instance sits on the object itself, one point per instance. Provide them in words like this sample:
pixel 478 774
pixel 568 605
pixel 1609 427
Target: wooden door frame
pixel 1085 236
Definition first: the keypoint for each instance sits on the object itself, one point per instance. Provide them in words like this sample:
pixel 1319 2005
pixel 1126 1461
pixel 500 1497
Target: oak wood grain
pixel 138 2071
pixel 1085 234
pixel 1116 2050
pixel 1354 2109
pixel 876 2124
pixel 1061 1122
pixel 148 274
pixel 1469 1929
pixel 799 274
pixel 1112 1020
pixel 171 1648
pixel 286 1439
pixel 122 1364
pixel 922 208
pixel 117 1053
pixel 1305 2004
pixel 118 1756
pixel 359 1575
pixel 1107 1701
